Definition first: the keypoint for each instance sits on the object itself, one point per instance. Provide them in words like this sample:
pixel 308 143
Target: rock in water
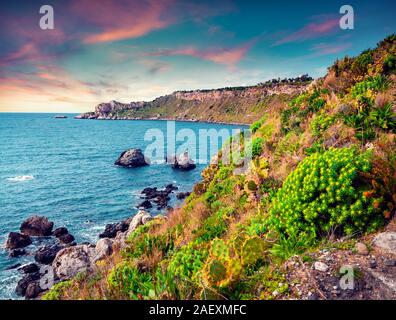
pixel 25 282
pixel 112 229
pixel 37 226
pixel 29 268
pixel 16 240
pixel 46 255
pixel 58 232
pixel 182 162
pixel 132 158
pixel 17 253
pixel 66 238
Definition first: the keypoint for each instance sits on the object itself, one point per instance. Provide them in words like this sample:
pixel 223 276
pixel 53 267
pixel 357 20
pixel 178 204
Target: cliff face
pixel 242 104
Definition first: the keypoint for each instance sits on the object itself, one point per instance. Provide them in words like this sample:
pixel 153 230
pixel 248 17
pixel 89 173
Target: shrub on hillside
pixel 325 194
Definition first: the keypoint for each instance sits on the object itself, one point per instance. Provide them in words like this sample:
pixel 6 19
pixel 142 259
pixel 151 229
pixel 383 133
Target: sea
pixel 64 169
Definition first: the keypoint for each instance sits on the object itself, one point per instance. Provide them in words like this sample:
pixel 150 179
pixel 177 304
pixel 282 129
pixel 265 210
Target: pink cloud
pixel 325 49
pixel 310 31
pixel 225 56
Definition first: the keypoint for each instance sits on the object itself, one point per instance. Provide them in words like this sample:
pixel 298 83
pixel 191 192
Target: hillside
pixel 236 104
pixel 319 195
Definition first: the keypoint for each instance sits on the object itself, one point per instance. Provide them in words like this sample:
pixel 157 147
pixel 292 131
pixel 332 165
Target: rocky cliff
pixel 234 104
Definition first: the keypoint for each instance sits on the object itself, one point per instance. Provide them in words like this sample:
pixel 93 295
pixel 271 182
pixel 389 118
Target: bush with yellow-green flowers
pixel 324 195
pixel 321 123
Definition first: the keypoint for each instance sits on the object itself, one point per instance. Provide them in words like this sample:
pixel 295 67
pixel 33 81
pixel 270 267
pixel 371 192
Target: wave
pixel 20 178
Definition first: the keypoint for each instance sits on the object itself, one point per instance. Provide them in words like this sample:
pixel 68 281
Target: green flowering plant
pixel 325 194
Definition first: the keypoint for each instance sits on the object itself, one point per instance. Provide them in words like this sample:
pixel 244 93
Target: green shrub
pixel 321 123
pixel 383 118
pixel 324 194
pixel 256 125
pixel 186 262
pixel 291 246
pixel 55 293
pixel 378 83
pixel 389 65
pixel 131 282
pixel 257 147
pixel 361 63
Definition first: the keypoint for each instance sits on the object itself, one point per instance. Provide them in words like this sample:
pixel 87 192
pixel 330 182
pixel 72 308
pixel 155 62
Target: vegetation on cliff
pixel 324 167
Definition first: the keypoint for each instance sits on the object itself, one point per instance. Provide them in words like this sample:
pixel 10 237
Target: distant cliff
pixel 233 104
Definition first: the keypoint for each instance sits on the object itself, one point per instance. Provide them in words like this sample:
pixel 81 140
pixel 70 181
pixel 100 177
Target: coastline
pixel 167 119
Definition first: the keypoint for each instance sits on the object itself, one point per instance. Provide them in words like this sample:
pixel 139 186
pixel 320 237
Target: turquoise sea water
pixel 63 169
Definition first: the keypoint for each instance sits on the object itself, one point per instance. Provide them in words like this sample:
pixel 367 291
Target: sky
pixel 137 50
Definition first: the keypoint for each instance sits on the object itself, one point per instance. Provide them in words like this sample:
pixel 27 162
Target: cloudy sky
pixel 131 50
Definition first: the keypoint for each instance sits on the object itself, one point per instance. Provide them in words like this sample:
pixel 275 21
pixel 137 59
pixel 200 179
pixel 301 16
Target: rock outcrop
pixel 37 226
pixel 17 240
pixel 182 162
pixel 131 159
pixel 73 260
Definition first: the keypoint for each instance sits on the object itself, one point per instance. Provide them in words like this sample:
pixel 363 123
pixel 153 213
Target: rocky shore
pixel 58 257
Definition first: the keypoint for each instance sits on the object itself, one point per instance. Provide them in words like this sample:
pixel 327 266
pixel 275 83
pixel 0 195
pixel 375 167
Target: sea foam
pixel 20 178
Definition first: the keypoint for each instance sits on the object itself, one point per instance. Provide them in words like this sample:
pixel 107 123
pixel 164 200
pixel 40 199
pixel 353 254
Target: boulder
pixel 132 158
pixel 16 240
pixel 112 229
pixel 66 238
pixel 182 195
pixel 361 249
pixel 183 162
pixel 142 217
pixel 104 248
pixel 29 268
pixel 33 290
pixel 47 254
pixel 73 260
pixel 25 281
pixel 17 253
pixel 146 204
pixel 37 226
pixel 386 241
pixel 58 232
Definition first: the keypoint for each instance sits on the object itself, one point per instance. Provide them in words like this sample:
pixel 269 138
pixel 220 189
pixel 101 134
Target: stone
pixel 146 204
pixel 66 238
pixel 361 249
pixel 72 260
pixel 58 232
pixel 320 266
pixel 182 195
pixel 373 264
pixel 132 158
pixel 390 262
pixel 17 240
pixel 17 253
pixel 47 254
pixel 182 162
pixel 25 281
pixel 37 226
pixel 104 248
pixel 142 217
pixel 29 268
pixel 112 229
pixel 33 290
pixel 386 241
